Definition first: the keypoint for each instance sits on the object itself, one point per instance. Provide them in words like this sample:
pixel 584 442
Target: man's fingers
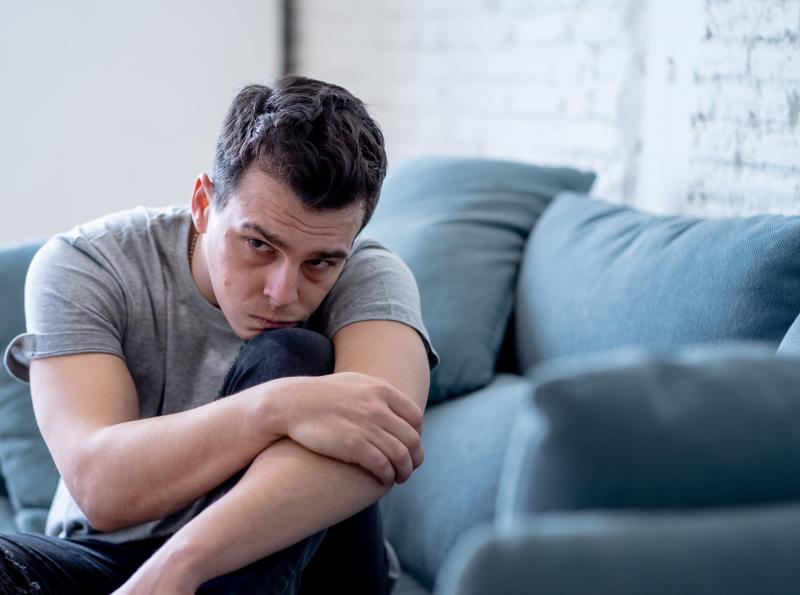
pixel 398 455
pixel 375 461
pixel 387 458
pixel 404 407
pixel 408 435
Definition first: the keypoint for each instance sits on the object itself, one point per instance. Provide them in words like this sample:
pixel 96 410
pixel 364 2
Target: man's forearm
pixel 287 494
pixel 289 491
pixel 149 468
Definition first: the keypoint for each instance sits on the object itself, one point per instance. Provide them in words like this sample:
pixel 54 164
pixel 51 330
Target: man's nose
pixel 281 284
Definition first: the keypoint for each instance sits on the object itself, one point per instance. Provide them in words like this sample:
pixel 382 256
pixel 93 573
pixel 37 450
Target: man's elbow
pixel 101 519
pixel 106 505
pixel 98 505
pixel 94 502
pixel 107 511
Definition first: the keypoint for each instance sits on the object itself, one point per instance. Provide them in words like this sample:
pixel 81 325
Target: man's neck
pixel 199 267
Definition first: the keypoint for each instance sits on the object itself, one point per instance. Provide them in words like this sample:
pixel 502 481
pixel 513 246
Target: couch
pixel 609 415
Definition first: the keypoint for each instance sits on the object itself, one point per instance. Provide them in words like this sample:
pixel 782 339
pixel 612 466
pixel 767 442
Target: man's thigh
pixel 33 563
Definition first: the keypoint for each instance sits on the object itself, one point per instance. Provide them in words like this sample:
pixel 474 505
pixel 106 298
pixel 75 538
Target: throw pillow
pixel 461 224
pixel 708 426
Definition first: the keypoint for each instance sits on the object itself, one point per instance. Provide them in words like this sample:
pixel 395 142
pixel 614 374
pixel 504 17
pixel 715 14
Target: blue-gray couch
pixel 609 415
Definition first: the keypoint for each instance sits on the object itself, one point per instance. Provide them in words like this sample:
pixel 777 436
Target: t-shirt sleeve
pixel 74 303
pixel 375 284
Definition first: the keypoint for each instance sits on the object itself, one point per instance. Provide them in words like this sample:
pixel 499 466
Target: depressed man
pixel 228 388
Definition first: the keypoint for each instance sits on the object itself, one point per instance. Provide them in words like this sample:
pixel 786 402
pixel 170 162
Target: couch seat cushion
pixel 6 516
pixel 406 585
pixel 735 551
pixel 456 487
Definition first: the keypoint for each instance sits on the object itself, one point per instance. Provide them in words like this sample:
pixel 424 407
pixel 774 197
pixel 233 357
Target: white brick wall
pixel 538 81
pixel 569 81
pixel 745 155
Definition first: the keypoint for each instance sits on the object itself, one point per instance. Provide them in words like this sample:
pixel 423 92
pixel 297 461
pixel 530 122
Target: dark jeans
pixel 348 557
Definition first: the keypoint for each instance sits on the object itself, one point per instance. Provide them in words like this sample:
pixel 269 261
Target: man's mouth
pixel 267 323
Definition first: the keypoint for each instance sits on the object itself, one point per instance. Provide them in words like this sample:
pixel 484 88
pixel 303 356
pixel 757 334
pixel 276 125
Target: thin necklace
pixel 192 245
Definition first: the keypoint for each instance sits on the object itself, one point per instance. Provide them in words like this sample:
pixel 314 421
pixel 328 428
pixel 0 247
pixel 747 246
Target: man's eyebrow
pixel 276 241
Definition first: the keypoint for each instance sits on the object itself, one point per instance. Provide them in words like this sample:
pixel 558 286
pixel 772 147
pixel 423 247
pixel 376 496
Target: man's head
pixel 297 173
pixel 314 137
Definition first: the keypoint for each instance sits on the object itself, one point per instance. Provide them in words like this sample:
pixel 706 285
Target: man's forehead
pixel 257 187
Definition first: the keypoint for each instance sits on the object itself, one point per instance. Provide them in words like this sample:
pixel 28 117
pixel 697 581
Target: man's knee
pixel 277 354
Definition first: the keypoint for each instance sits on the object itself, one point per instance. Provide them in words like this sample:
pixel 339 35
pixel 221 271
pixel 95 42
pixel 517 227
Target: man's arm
pixel 289 492
pixel 122 470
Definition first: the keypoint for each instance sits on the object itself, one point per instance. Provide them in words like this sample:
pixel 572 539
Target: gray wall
pixel 107 105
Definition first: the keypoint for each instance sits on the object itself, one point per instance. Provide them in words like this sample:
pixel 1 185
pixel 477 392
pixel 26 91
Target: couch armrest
pixel 732 551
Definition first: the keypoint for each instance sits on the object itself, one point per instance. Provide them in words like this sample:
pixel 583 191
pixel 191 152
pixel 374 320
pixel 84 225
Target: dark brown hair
pixel 315 137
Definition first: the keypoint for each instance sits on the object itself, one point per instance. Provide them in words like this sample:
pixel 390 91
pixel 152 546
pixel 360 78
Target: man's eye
pixel 320 264
pixel 256 244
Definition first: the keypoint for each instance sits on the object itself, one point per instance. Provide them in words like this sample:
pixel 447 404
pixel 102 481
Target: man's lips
pixel 266 323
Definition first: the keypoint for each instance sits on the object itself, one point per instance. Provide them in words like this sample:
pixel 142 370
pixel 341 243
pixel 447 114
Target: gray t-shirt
pixel 122 285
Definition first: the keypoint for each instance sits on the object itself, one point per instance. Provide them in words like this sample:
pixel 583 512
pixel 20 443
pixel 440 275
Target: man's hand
pixel 353 418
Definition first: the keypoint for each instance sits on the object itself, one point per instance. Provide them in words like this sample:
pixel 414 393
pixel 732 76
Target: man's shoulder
pixel 124 235
pixel 138 221
pixel 123 245
pixel 371 270
pixel 369 248
pixel 369 255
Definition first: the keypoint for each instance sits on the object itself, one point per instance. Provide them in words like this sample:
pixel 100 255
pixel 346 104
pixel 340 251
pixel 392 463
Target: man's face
pixel 269 260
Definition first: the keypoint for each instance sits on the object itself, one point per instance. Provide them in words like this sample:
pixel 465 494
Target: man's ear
pixel 201 201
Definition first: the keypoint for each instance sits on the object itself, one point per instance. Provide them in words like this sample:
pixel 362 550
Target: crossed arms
pixel 315 449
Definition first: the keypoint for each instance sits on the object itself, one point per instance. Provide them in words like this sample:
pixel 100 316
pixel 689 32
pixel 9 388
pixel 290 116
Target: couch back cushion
pixel 598 276
pixel 461 225
pixel 25 462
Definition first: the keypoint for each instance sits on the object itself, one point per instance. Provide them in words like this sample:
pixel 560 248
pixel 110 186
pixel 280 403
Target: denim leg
pixel 277 354
pixel 351 559
pixel 31 563
pixel 273 354
pixel 276 574
pixel 348 557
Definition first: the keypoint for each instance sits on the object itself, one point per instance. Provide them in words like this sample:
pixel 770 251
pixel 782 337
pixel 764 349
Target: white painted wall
pixel 679 105
pixel 107 105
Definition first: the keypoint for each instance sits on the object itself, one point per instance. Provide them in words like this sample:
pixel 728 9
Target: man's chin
pixel 247 334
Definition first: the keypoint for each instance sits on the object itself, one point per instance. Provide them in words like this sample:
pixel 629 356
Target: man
pixel 171 484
